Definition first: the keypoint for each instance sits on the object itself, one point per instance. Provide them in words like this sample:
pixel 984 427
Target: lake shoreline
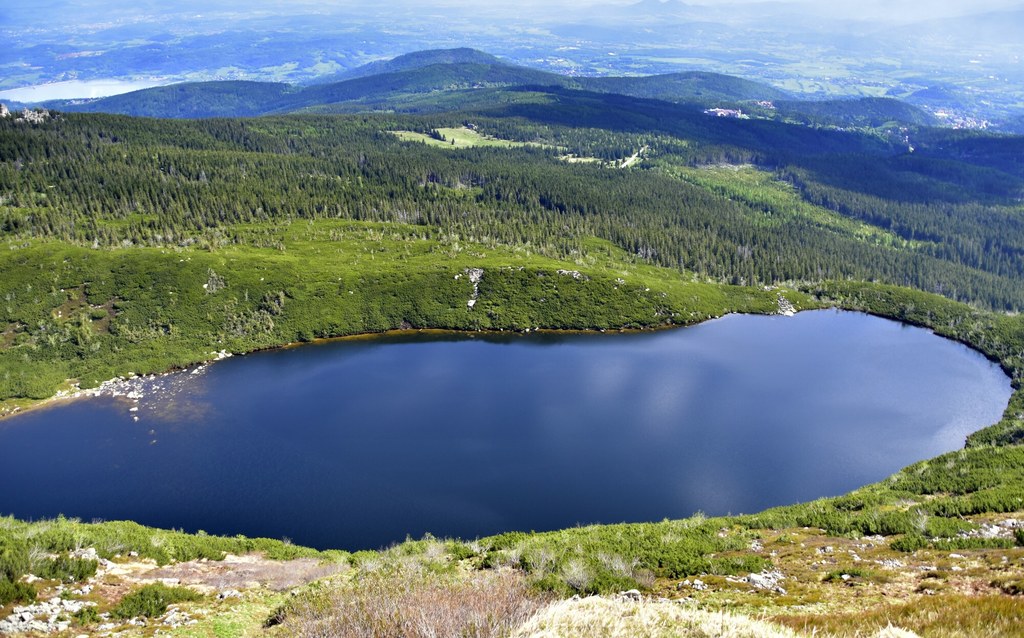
pixel 14 407
pixel 297 414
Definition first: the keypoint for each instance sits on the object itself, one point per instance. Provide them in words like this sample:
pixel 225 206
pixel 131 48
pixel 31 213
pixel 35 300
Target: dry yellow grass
pixel 411 603
pixel 946 616
pixel 600 617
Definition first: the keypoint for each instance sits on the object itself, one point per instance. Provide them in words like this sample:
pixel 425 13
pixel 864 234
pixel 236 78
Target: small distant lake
pixel 76 89
pixel 357 444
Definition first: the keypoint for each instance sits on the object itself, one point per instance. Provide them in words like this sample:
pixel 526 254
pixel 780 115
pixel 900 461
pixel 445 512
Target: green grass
pixel 779 201
pixel 235 619
pixel 460 137
pixel 118 538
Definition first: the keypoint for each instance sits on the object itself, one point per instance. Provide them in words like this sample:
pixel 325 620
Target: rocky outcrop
pixel 767 580
pixel 475 275
pixel 37 116
pixel 786 307
pixel 46 617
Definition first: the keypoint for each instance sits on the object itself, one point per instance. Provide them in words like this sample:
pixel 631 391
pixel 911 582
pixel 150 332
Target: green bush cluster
pixel 66 569
pixel 14 563
pixel 909 543
pixel 118 538
pixel 152 600
pixel 87 616
pixel 16 592
pixel 606 558
pixel 913 542
pixel 953 544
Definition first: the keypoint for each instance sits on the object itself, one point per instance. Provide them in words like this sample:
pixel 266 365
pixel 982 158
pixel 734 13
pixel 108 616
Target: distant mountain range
pixel 459 79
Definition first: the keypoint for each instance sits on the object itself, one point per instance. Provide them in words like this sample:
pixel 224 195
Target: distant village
pixel 737 113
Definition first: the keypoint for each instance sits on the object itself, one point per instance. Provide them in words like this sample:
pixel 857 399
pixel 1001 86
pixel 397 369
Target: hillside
pixel 136 245
pixel 863 112
pixel 723 200
pixel 189 100
pixel 416 60
pixel 392 86
pixel 699 87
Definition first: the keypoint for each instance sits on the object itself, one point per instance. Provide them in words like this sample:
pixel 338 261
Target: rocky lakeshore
pixel 132 388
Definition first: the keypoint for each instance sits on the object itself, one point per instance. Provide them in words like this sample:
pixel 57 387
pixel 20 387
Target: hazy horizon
pixel 101 13
pixel 88 48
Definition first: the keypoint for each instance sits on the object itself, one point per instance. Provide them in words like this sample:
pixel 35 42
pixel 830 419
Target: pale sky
pixel 870 9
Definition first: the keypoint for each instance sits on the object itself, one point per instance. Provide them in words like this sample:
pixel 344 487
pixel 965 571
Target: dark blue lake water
pixel 356 444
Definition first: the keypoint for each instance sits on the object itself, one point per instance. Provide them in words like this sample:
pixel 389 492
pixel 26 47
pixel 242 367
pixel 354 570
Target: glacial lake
pixel 358 443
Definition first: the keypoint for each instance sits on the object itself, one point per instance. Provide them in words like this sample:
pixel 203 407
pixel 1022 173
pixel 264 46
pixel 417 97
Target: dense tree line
pixel 109 181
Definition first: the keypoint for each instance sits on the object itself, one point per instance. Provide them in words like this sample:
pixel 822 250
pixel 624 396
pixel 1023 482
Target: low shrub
pixel 1010 586
pixel 949 544
pixel 938 527
pixel 66 569
pixel 914 542
pixel 14 558
pixel 909 543
pixel 460 551
pixel 15 592
pixel 152 601
pixel 87 616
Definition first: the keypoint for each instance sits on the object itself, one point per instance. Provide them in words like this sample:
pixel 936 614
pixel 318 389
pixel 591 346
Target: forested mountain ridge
pixel 863 112
pixel 416 60
pixel 461 79
pixel 190 99
pixel 390 85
